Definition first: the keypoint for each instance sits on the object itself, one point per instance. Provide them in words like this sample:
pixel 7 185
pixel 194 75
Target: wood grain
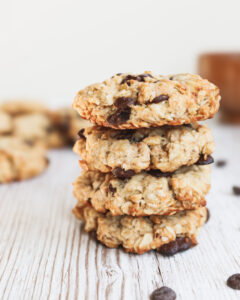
pixel 45 254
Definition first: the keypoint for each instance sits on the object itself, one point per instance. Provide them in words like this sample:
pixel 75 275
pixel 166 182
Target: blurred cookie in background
pixel 5 123
pixel 68 122
pixel 20 159
pixel 33 122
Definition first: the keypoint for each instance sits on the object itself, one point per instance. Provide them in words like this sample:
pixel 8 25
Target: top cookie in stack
pixel 128 101
pixel 144 187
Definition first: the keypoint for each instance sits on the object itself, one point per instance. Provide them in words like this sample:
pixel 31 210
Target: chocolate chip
pixel 221 163
pixel 164 293
pixel 64 126
pixel 47 161
pixel 202 161
pixel 120 116
pixel 158 173
pixel 29 142
pixel 160 98
pixel 81 133
pixel 112 189
pixel 137 78
pixel 122 174
pixel 179 245
pixel 118 74
pixel 236 190
pixel 50 129
pixel 208 215
pixel 123 102
pixel 125 134
pixel 234 282
pixel 171 78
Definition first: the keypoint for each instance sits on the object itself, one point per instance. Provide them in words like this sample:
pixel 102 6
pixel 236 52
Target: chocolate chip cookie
pixel 142 234
pixel 165 148
pixel 129 101
pixel 146 193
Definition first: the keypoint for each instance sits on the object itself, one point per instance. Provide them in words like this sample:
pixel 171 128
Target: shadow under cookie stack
pixel 146 162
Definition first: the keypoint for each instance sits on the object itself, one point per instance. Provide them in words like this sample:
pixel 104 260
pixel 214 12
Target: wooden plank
pixel 45 254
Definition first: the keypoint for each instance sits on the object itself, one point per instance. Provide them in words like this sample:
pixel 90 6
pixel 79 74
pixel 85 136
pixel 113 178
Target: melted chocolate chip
pixel 202 161
pixel 64 126
pixel 236 190
pixel 158 173
pixel 123 102
pixel 137 78
pixel 122 174
pixel 221 163
pixel 50 129
pixel 29 142
pixel 118 74
pixel 120 116
pixel 208 215
pixel 81 133
pixel 164 293
pixel 160 98
pixel 179 245
pixel 125 134
pixel 112 189
pixel 171 78
pixel 234 282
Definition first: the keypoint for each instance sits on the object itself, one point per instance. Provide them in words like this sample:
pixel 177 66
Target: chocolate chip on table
pixel 160 98
pixel 234 282
pixel 119 117
pixel 163 293
pixel 158 173
pixel 122 174
pixel 81 133
pixel 112 189
pixel 179 245
pixel 208 215
pixel 207 161
pixel 137 78
pixel 236 190
pixel 221 163
pixel 123 102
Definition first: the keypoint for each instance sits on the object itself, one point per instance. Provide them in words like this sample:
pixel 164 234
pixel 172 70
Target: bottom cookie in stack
pixel 166 234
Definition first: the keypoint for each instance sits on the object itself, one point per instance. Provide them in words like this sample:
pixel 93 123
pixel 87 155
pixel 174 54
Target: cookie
pixel 38 127
pixel 146 193
pixel 128 101
pixel 164 148
pixel 142 234
pixel 5 123
pixel 68 122
pixel 20 160
pixel 20 107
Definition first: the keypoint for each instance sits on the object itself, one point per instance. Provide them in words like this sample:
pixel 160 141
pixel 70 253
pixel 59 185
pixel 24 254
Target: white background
pixel 52 48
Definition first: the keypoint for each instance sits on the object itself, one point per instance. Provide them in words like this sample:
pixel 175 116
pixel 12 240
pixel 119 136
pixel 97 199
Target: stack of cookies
pixel 146 162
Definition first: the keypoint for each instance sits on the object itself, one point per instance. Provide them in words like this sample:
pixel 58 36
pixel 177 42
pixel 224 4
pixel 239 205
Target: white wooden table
pixel 45 254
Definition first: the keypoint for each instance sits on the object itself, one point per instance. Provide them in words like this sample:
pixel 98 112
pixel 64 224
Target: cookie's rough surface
pixel 128 101
pixel 144 194
pixel 164 148
pixel 20 160
pixel 141 234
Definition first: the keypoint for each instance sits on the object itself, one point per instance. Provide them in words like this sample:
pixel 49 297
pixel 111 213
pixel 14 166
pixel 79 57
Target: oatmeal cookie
pixel 20 160
pixel 128 101
pixel 142 234
pixel 164 148
pixel 146 193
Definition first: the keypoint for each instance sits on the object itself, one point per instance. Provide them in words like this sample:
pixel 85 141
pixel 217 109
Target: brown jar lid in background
pixel 223 69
